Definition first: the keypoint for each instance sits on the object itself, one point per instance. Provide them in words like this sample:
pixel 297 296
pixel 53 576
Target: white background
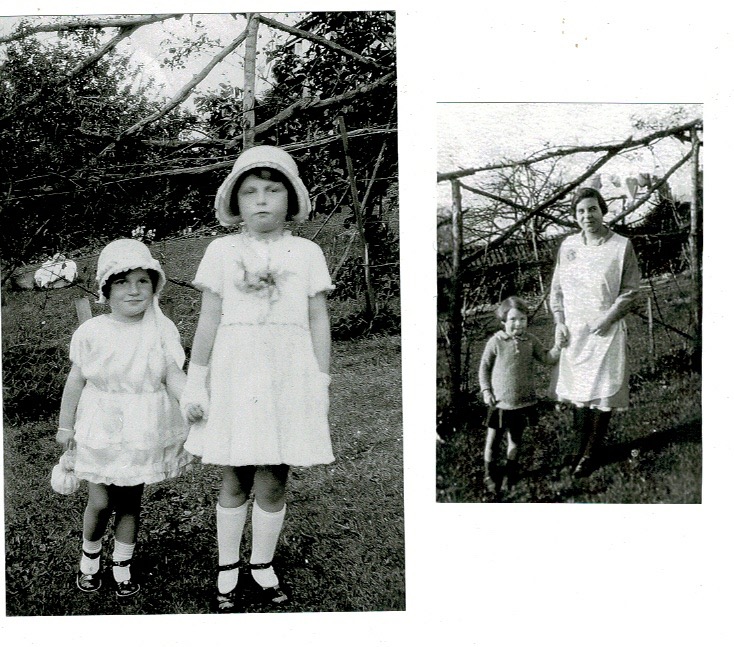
pixel 529 574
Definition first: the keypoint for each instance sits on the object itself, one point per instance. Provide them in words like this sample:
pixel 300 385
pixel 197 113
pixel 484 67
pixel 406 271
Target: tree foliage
pixel 58 191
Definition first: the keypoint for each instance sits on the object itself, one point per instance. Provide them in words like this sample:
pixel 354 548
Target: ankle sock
pixel 266 527
pixel 89 566
pixel 121 553
pixel 230 524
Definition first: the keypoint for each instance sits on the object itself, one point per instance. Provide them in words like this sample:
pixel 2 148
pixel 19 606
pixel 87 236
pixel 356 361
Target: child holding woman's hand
pixel 507 383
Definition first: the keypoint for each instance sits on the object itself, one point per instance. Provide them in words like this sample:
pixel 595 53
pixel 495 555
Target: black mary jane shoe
pixel 127 588
pixel 266 594
pixel 229 602
pixel 90 583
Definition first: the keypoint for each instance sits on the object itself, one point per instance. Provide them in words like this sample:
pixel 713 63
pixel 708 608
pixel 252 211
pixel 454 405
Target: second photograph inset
pixel 569 302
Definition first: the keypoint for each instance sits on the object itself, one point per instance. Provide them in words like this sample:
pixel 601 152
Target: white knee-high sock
pixel 230 524
pixel 89 566
pixel 121 553
pixel 266 527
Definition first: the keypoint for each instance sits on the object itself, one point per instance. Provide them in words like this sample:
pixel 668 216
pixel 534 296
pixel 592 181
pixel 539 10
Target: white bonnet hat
pixel 128 254
pixel 123 255
pixel 259 157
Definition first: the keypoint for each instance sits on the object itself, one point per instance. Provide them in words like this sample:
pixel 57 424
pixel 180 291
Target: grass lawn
pixel 342 547
pixel 652 453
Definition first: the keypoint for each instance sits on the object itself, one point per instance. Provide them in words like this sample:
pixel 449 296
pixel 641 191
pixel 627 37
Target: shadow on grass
pixel 688 431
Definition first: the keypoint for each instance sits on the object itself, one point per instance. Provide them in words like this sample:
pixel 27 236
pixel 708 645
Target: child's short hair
pixel 265 173
pixel 508 304
pixel 107 287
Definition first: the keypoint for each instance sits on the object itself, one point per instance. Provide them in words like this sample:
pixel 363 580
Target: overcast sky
pixel 478 134
pixel 148 46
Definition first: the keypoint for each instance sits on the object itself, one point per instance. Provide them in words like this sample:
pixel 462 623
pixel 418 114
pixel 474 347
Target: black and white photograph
pixel 252 393
pixel 201 313
pixel 569 305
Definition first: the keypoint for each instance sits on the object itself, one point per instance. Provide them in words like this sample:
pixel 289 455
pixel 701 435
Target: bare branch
pixel 88 23
pixel 570 186
pixel 315 38
pixel 309 103
pixel 224 164
pixel 515 205
pixel 572 150
pixel 186 90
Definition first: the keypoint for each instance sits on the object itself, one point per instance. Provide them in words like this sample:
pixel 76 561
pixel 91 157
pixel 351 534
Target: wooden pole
pixel 248 95
pixel 83 309
pixel 694 243
pixel 358 216
pixel 534 233
pixel 455 324
pixel 650 333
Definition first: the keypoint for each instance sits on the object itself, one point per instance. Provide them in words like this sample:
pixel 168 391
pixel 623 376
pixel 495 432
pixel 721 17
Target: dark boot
pixel 493 477
pixel 581 430
pixel 512 471
pixel 597 423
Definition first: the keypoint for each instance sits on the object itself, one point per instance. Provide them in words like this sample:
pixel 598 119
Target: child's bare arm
pixel 69 402
pixel 194 400
pixel 318 315
pixel 206 330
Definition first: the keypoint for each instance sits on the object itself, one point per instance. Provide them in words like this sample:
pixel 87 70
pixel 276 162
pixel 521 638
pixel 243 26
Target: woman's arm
pixel 318 316
pixel 628 289
pixel 556 305
pixel 629 286
pixel 69 402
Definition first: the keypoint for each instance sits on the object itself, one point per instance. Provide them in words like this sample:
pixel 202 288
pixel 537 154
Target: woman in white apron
pixel 595 282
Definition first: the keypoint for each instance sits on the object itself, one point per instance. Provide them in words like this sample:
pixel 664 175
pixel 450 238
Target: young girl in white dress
pixel 118 406
pixel 259 374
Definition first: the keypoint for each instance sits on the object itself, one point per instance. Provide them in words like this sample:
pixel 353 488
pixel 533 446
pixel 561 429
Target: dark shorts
pixel 513 421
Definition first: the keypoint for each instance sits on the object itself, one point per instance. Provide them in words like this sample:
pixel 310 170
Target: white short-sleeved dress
pixel 128 430
pixel 269 400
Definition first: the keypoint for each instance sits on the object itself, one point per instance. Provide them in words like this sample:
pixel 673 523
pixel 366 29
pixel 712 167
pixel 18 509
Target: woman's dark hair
pixel 508 304
pixel 588 192
pixel 121 275
pixel 265 173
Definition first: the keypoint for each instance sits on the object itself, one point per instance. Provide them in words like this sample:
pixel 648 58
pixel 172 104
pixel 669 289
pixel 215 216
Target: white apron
pixel 591 367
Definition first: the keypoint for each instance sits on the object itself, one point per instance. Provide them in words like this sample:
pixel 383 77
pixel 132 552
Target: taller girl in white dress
pixel 259 374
